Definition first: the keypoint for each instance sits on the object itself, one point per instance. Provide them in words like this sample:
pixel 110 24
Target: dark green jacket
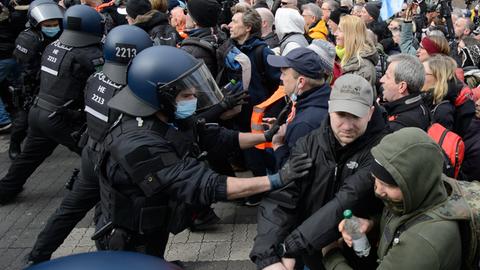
pixel 415 162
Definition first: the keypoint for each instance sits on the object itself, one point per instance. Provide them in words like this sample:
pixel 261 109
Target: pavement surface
pixel 225 247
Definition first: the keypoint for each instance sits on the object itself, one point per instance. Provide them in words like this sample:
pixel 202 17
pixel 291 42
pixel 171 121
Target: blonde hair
pixel 354 37
pixel 442 44
pixel 443 69
pixel 160 5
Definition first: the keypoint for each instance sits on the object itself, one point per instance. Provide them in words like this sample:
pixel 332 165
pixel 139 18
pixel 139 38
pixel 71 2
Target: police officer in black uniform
pixel 56 112
pixel 45 18
pixel 121 45
pixel 151 176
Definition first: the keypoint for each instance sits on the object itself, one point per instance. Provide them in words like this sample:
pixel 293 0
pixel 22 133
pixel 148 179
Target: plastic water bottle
pixel 231 86
pixel 361 246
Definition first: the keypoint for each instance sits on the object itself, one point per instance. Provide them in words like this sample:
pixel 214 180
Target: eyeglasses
pixel 395 29
pixel 283 3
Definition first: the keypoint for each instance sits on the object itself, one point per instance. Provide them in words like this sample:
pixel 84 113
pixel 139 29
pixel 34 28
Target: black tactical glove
pixel 296 167
pixel 230 100
pixel 281 119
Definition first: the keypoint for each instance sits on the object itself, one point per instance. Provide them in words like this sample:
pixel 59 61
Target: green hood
pixel 415 162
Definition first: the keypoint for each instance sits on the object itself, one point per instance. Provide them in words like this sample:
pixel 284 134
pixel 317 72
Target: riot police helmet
pixel 157 75
pixel 43 10
pixel 121 45
pixel 82 25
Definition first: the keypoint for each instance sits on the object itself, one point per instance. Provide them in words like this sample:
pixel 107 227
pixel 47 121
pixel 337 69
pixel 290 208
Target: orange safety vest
pixel 99 8
pixel 258 113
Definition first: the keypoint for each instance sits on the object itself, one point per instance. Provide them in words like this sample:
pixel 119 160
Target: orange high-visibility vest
pixel 99 8
pixel 258 113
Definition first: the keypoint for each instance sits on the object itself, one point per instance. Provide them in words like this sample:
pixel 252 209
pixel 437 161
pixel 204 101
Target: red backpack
pixel 452 145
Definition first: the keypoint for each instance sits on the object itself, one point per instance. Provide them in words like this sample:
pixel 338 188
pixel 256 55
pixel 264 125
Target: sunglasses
pixel 283 3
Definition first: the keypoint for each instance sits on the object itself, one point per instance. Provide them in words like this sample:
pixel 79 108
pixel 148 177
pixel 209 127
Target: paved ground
pixel 226 247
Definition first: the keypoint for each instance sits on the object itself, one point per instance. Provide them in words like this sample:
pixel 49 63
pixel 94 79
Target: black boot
pixel 14 150
pixel 206 219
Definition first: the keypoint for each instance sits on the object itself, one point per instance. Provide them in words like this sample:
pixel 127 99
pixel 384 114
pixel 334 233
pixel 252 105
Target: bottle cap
pixel 347 214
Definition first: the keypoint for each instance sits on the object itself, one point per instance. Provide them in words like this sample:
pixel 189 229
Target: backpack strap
pixel 195 41
pixel 436 106
pixel 259 63
pixel 407 225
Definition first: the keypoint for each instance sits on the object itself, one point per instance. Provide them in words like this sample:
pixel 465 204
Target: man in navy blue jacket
pixel 304 76
pixel 245 33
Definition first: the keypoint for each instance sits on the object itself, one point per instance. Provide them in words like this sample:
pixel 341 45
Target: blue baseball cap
pixel 302 60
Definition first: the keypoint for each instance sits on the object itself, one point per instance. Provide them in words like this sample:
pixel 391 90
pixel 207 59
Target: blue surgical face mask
pixel 186 108
pixel 51 31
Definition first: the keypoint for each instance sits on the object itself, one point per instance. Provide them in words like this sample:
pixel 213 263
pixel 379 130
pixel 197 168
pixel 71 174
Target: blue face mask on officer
pixel 186 108
pixel 50 31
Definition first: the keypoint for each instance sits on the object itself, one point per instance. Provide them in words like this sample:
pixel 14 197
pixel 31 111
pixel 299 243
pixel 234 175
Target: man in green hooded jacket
pixel 408 179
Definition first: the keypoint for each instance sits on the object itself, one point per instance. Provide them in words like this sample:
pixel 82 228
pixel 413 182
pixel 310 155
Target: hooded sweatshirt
pixel 289 27
pixel 363 66
pixel 415 162
pixel 156 24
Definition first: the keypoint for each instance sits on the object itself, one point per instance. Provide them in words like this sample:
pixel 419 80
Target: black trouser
pixel 20 126
pixel 84 196
pixel 44 135
pixel 153 243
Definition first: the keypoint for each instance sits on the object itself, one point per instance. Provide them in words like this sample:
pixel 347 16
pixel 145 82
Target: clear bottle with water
pixel 361 246
pixel 231 86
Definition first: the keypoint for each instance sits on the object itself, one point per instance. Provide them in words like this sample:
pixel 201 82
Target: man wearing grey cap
pixel 301 218
pixel 304 76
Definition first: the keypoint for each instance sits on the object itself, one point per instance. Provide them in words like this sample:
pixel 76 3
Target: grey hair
pixel 315 9
pixel 346 3
pixel 437 33
pixel 266 15
pixel 333 5
pixel 410 70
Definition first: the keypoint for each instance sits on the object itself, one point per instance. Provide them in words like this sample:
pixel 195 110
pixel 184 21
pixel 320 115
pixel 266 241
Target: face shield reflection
pixel 197 82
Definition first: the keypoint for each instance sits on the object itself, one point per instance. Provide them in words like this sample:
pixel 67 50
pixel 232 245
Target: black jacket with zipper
pixel 408 111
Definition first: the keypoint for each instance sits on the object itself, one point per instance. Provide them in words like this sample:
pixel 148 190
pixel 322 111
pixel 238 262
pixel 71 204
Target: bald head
pixel 267 20
pixel 178 18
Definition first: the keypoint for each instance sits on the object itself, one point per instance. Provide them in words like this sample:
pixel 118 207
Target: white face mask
pixel 294 96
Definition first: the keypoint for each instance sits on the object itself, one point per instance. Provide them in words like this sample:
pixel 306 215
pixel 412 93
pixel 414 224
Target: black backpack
pixel 164 34
pixel 210 47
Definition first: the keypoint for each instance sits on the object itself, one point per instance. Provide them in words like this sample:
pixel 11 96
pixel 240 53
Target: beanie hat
pixel 337 13
pixel 204 12
pixel 137 7
pixel 327 53
pixel 430 46
pixel 372 10
pixel 381 173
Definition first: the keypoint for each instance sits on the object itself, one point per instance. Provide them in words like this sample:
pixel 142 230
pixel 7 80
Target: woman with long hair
pixel 441 89
pixel 431 46
pixel 359 54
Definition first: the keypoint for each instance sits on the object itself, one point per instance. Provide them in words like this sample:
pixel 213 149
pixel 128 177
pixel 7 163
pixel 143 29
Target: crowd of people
pixel 328 104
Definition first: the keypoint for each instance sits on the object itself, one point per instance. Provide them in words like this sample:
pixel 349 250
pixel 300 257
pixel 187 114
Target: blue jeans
pixel 7 68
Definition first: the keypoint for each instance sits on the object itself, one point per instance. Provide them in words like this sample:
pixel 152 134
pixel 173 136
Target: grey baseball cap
pixel 352 94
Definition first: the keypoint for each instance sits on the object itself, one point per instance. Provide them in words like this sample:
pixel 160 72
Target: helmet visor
pixel 198 82
pixel 46 12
